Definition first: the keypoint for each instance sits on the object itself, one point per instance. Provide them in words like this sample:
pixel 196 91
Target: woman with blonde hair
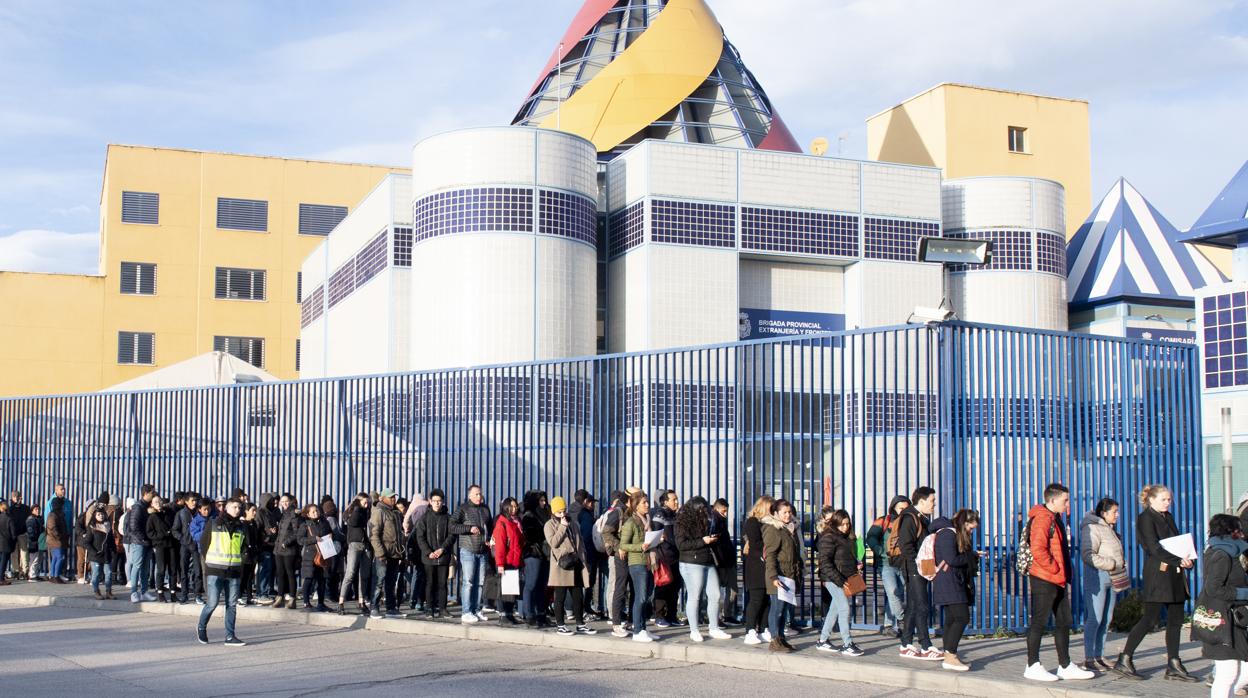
pixel 1164 584
pixel 633 545
pixel 754 577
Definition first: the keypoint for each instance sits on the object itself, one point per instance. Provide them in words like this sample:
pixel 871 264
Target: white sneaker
pixel 643 636
pixel 481 615
pixel 719 634
pixel 1037 672
pixel 751 638
pixel 766 636
pixel 695 635
pixel 619 631
pixel 1072 672
pixel 468 618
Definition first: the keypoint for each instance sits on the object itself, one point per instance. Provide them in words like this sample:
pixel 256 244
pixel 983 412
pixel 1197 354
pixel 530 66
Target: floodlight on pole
pixel 946 251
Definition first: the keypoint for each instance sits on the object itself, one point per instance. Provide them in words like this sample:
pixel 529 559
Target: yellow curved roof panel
pixel 655 74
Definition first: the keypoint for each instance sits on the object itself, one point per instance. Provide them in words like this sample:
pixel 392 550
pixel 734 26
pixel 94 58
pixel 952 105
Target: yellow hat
pixel 557 505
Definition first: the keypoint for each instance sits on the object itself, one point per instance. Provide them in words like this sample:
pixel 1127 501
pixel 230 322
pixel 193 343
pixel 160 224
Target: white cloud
pixel 50 251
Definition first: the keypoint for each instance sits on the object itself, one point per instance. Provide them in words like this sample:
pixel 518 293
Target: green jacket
pixel 633 541
pixel 782 553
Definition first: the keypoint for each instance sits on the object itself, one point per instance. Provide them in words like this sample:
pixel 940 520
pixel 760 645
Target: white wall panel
pixel 807 288
pixel 799 181
pixel 901 191
pixel 691 171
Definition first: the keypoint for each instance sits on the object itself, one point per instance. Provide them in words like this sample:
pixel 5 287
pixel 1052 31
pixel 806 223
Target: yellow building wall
pixel 50 333
pixel 964 131
pixel 186 247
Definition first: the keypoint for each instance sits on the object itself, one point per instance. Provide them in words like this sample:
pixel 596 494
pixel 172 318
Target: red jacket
pixel 1050 553
pixel 508 543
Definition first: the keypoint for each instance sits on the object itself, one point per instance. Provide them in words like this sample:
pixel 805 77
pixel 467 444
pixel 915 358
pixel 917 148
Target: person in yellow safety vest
pixel 222 547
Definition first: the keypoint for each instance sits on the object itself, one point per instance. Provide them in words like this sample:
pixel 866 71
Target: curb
pixel 710 653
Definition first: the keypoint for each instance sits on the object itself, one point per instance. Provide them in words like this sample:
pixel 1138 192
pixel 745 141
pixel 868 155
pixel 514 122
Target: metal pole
pixel 1228 497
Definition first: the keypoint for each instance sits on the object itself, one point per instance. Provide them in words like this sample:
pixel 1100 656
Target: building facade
pixel 199 251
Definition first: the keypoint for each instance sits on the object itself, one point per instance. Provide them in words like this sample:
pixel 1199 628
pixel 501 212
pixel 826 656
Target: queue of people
pixel 548 562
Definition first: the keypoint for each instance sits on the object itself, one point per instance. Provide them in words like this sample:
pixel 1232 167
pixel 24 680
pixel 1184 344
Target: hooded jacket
pixel 101 549
pixel 910 534
pixel 356 521
pixel 386 533
pixel 782 553
pixel 266 523
pixel 532 525
pixel 837 559
pixel 1225 584
pixel 1050 550
pixel 181 529
pixel 1100 548
pixel 877 535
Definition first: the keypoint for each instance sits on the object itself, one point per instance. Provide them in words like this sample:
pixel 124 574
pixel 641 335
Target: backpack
pixel 599 544
pixel 926 559
pixel 892 546
pixel 1024 559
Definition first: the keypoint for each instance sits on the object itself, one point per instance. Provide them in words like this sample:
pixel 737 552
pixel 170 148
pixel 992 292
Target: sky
pixel 1167 82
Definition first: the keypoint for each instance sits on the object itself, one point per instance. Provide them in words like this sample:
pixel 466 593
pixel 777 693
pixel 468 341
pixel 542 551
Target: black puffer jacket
pixel 101 549
pixel 690 530
pixel 467 517
pixel 287 543
pixel 357 523
pixel 433 532
pixel 159 530
pixel 1225 585
pixel 664 519
pixel 838 559
pixel 533 526
pixel 309 533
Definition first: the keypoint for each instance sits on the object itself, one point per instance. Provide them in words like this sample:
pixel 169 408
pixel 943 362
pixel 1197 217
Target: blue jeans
pixel 214 586
pixel 264 574
pixel 533 598
pixel 775 616
pixel 472 569
pixel 101 570
pixel 57 561
pixel 136 568
pixel 838 612
pixel 1099 599
pixel 894 587
pixel 643 587
pixel 696 577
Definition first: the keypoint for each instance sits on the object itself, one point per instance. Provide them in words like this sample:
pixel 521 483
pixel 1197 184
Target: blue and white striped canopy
pixel 1128 250
pixel 1225 222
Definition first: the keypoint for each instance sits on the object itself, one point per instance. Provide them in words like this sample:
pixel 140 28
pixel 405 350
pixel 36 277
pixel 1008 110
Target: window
pixel 249 349
pixel 138 278
pixel 315 219
pixel 140 207
pixel 243 214
pixel 298 287
pixel 136 348
pixel 240 284
pixel 1018 139
pixel 297 347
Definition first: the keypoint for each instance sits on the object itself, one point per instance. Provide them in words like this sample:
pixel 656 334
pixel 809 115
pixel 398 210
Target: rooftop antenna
pixel 840 142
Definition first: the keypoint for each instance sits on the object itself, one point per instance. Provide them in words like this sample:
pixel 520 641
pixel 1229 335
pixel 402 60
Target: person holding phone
pixel 782 555
pixel 698 566
pixel 1164 584
pixel 633 544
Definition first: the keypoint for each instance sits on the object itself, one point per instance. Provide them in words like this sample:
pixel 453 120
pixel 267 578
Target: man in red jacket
pixel 1050 586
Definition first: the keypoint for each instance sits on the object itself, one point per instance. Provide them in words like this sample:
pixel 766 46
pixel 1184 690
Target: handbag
pixel 855 585
pixel 568 561
pixel 662 574
pixel 1210 627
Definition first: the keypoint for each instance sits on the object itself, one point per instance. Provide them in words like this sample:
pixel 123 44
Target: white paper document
pixel 788 592
pixel 652 538
pixel 326 546
pixel 511 583
pixel 1181 546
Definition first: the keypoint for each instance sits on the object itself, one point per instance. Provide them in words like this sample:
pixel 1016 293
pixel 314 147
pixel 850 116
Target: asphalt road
pixel 59 651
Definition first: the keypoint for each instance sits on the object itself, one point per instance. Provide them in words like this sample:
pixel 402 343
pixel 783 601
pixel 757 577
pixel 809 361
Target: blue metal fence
pixel 987 415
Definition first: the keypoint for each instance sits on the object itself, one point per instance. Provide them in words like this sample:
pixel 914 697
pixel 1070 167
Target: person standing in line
pixel 138 547
pixel 356 519
pixel 266 524
pixel 159 535
pixel 698 566
pixel 251 519
pixel 725 562
pixel 1104 571
pixel 417 584
pixel 471 522
pixel 1225 585
pixel 534 558
pixel 567 568
pixel 633 545
pixel 8 540
pixel 436 543
pixel 663 518
pixel 36 543
pixel 1165 584
pixel 200 524
pixel 754 573
pixel 953 589
pixel 222 550
pixel 67 530
pixel 1050 586
pixel 100 553
pixel 782 555
pixel 333 570
pixel 617 560
pixel 386 536
pixel 911 527
pixel 56 532
pixel 507 549
pixel 894 581
pixel 286 552
pixel 593 559
pixel 311 529
pixel 838 562
pixel 188 551
pixel 19 564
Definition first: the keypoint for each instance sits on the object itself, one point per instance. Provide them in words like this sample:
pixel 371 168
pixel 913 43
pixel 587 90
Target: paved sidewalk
pixel 997 664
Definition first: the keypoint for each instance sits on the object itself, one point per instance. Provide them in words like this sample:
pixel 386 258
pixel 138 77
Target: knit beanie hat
pixel 558 505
